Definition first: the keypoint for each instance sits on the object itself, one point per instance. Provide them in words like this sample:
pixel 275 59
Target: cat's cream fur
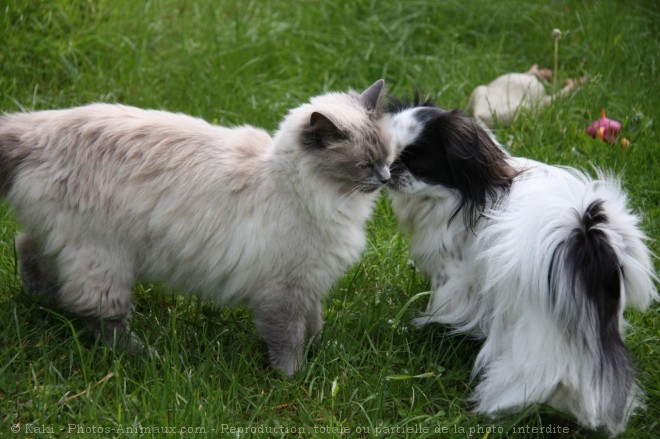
pixel 109 194
pixel 506 96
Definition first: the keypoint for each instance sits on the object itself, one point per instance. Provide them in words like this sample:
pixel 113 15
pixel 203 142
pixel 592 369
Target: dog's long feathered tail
pixel 562 260
pixel 585 284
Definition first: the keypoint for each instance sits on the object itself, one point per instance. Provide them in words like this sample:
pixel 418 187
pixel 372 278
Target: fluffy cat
pixel 539 260
pixel 506 96
pixel 109 194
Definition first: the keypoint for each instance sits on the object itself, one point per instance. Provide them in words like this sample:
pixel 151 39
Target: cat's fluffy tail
pixel 6 170
pixel 10 153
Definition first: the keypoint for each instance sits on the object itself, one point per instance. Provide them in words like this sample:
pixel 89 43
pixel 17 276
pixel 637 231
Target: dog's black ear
pixel 477 165
pixel 321 132
pixel 396 105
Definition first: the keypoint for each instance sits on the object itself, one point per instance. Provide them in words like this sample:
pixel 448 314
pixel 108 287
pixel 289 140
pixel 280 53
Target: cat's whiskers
pixel 341 201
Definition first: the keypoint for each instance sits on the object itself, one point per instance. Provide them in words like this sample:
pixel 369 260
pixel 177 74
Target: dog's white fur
pixel 492 281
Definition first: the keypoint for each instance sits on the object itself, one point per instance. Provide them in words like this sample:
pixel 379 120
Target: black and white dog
pixel 539 260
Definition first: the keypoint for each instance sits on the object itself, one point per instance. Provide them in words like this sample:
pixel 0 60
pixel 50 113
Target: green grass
pixel 235 62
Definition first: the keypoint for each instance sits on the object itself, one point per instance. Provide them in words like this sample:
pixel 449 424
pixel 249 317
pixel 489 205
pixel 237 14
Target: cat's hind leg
pixel 96 285
pixel 37 272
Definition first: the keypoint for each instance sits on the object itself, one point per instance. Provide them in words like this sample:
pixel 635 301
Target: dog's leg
pixel 455 304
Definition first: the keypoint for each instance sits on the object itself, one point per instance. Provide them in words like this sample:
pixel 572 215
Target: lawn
pixel 235 62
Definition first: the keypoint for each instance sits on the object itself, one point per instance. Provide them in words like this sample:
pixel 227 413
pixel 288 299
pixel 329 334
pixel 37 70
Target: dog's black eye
pixel 417 163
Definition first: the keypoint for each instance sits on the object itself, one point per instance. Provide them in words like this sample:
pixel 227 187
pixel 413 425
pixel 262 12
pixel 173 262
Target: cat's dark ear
pixel 371 96
pixel 321 132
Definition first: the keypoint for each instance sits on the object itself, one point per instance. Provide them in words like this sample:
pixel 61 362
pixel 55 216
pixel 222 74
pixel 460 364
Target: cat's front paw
pixel 288 364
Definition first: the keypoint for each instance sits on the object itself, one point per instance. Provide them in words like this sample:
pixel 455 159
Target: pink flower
pixel 605 129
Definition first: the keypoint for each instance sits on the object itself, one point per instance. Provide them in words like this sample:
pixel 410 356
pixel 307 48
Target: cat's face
pixel 359 159
pixel 346 142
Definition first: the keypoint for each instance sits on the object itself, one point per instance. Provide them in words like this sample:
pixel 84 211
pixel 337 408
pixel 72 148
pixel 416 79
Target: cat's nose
pixel 384 174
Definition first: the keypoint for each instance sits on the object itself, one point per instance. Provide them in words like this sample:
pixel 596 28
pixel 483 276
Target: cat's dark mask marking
pixel 352 151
